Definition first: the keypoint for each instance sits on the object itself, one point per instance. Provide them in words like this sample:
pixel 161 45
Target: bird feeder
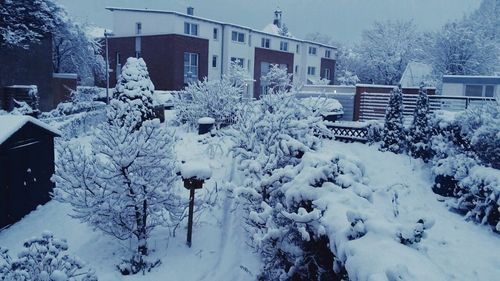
pixel 193 176
pixel 205 125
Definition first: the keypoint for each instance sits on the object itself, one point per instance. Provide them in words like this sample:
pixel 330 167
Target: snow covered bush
pixel 480 125
pixel 218 99
pixel 133 92
pixel 393 135
pixel 465 146
pixel 374 131
pixel 44 259
pixel 277 79
pixel 121 183
pixel 271 137
pixel 478 195
pixel 413 235
pixel 420 130
pixel 238 76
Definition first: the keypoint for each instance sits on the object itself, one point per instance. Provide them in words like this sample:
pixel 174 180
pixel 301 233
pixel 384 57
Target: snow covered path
pixel 460 250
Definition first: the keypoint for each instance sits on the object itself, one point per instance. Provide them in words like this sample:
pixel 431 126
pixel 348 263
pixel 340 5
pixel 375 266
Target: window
pixel 297 48
pixel 296 69
pixel 311 70
pixel 138 46
pixel 473 90
pixel 327 74
pixel 190 67
pixel 312 50
pixel 238 61
pixel 328 54
pixel 266 43
pixel 214 61
pixel 138 28
pixel 216 33
pixel 238 37
pixel 284 46
pixel 118 65
pixel 191 28
pixel 480 90
pixel 489 91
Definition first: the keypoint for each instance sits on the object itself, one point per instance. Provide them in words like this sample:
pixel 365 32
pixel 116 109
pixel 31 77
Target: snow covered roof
pixel 271 29
pixel 414 74
pixel 9 124
pixel 112 9
pixel 472 79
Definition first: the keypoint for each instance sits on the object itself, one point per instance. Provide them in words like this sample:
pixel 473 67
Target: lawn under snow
pixel 453 250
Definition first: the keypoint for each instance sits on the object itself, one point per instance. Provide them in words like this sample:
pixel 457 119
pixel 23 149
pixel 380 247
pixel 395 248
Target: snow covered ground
pixel 453 249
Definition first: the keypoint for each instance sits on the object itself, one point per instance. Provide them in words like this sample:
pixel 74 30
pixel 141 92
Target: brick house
pixel 180 48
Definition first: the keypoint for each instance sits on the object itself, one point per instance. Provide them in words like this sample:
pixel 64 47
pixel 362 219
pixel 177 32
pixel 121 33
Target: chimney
pixel 190 11
pixel 277 18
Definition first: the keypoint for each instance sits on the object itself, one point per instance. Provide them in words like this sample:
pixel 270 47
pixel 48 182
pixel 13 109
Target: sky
pixel 343 20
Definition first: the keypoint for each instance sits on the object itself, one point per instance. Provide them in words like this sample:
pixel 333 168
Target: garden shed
pixel 26 166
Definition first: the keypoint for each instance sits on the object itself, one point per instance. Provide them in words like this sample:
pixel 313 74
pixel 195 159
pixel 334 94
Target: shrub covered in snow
pixel 44 258
pixel 393 135
pixel 463 144
pixel 121 183
pixel 218 99
pixel 273 134
pixel 374 131
pixel 420 130
pixel 277 79
pixel 133 94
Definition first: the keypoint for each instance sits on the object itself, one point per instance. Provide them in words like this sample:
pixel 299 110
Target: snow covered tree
pixel 44 258
pixel 133 93
pixel 25 22
pixel 420 130
pixel 277 79
pixel 238 76
pixel 386 49
pixel 218 99
pixel 393 135
pixel 271 137
pixel 74 50
pixel 122 182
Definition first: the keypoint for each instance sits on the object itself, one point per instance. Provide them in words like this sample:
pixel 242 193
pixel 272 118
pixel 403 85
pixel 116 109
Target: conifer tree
pixel 420 132
pixel 393 136
pixel 134 87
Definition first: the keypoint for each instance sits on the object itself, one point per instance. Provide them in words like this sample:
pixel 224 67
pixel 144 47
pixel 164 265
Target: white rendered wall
pixel 453 89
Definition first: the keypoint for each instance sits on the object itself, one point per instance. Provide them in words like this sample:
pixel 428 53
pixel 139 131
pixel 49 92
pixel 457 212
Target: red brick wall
pixel 164 56
pixel 270 56
pixel 330 64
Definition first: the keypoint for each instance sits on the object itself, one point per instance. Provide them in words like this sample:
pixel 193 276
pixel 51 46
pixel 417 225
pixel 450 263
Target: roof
pixel 112 9
pixel 9 124
pixel 414 74
pixel 471 79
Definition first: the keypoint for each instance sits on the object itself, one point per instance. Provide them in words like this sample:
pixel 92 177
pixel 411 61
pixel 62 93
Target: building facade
pixel 471 86
pixel 181 48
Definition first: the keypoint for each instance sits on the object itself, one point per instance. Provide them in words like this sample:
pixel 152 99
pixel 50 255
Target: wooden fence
pixel 372 106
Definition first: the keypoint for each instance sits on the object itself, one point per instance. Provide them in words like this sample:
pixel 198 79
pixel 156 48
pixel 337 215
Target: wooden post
pixel 190 217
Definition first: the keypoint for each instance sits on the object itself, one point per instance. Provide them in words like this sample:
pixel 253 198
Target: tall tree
pixel 470 46
pixel 386 49
pixel 26 22
pixel 393 135
pixel 420 131
pixel 134 88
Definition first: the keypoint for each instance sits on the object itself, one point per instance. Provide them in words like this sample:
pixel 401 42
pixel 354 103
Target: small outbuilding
pixel 26 166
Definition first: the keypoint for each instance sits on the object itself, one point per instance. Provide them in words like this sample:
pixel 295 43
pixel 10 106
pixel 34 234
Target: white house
pixel 179 48
pixel 471 86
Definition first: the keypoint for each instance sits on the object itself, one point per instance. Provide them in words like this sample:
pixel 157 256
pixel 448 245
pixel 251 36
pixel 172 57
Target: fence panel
pixel 373 105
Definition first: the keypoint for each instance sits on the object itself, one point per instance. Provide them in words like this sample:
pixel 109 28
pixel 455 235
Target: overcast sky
pixel 343 20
